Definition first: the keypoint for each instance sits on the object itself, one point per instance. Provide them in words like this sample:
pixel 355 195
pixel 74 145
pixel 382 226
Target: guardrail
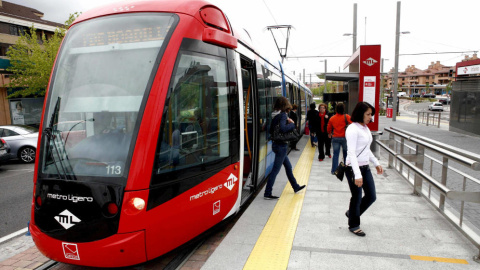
pixel 414 162
pixel 424 118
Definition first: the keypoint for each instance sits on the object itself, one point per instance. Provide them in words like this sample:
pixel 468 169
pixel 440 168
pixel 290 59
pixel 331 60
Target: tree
pixel 32 59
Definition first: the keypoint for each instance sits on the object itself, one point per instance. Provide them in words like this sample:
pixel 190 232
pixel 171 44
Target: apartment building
pixel 434 79
pixel 15 19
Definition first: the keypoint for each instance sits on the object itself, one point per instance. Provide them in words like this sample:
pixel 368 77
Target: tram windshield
pixel 102 73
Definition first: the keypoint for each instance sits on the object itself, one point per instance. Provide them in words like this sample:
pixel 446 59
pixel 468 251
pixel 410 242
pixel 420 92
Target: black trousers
pixel 324 145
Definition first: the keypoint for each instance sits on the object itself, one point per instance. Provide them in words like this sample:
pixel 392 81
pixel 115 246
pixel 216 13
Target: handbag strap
pixel 362 150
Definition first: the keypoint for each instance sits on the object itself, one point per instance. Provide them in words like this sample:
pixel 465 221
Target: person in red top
pixel 337 126
pixel 322 134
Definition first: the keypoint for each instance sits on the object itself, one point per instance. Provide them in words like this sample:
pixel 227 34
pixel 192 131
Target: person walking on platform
pixel 358 171
pixel 279 117
pixel 293 115
pixel 337 126
pixel 322 134
pixel 313 123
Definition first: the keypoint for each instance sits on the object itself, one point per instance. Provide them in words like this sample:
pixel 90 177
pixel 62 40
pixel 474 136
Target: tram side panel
pixel 195 182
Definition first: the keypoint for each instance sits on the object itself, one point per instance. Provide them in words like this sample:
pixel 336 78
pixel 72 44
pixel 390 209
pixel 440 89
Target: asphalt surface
pixel 423 106
pixel 16 187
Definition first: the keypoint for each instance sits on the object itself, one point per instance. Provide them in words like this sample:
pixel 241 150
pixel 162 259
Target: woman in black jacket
pixel 293 115
pixel 280 148
pixel 322 134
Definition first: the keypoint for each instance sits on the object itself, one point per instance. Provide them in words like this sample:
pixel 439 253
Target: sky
pixel 435 27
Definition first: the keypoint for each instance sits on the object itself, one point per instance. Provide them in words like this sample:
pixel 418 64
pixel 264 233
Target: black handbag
pixel 340 171
pixel 342 168
pixel 279 136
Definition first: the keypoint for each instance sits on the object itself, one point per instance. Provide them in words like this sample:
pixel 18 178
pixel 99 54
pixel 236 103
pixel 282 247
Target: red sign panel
pixel 370 57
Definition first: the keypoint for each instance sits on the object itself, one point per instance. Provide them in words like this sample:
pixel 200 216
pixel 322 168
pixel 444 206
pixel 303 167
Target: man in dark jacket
pixel 313 123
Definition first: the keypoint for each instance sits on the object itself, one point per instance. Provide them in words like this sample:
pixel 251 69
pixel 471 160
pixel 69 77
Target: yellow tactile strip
pixel 273 247
pixel 437 259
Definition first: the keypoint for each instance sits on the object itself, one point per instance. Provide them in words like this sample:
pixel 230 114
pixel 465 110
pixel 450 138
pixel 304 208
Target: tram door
pixel 250 149
pixel 263 106
pixel 292 92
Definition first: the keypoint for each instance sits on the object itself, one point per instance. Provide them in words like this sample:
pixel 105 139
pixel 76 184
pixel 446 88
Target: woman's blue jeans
pixel 358 205
pixel 281 157
pixel 336 143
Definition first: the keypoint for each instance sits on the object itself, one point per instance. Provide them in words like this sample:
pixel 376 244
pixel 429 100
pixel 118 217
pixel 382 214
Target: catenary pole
pixel 354 28
pixel 395 74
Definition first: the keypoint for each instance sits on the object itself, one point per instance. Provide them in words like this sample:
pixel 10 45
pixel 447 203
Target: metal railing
pixel 429 118
pixel 413 163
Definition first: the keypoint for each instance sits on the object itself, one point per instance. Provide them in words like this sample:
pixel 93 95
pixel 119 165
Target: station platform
pixel 309 230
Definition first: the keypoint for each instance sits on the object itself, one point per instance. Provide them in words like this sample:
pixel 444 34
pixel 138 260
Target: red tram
pixel 154 129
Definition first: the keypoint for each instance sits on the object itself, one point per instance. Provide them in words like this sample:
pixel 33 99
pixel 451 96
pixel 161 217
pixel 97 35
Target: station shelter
pixel 465 98
pixel 361 80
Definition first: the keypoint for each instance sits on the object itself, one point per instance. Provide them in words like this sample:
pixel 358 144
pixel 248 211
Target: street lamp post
pixel 395 74
pixel 354 33
pixel 325 76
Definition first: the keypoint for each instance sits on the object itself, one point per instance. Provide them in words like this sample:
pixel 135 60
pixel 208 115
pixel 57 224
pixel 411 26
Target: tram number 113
pixel 114 169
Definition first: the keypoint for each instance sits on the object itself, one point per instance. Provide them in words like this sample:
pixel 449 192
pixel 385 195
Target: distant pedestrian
pixel 336 130
pixel 358 173
pixel 313 123
pixel 322 134
pixel 293 115
pixel 279 117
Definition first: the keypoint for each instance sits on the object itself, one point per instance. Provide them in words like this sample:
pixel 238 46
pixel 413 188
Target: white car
pixel 22 141
pixel 435 106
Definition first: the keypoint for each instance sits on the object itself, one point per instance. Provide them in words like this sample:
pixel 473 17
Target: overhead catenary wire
pixel 402 54
pixel 273 17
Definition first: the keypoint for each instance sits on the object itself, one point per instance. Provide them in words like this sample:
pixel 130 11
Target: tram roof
pixel 190 7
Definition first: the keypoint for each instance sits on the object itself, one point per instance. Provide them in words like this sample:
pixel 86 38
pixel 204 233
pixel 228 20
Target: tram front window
pixel 102 73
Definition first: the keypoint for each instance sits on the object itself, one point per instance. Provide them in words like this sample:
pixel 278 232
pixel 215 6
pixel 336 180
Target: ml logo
pixel 370 62
pixel 231 181
pixel 67 219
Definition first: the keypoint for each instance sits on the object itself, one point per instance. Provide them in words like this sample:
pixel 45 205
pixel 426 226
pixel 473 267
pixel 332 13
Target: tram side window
pixel 303 103
pixel 195 125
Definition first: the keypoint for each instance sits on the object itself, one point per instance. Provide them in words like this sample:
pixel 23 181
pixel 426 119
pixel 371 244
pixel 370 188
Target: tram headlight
pixel 136 205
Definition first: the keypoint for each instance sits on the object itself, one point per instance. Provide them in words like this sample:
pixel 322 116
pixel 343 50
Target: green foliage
pixel 316 91
pixel 32 59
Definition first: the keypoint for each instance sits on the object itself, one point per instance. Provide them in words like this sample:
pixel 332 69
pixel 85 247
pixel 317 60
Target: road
pixel 423 106
pixel 16 187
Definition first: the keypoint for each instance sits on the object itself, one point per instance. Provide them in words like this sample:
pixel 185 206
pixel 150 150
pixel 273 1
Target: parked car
pixel 401 94
pixel 4 151
pixel 435 106
pixel 415 95
pixel 22 141
pixel 429 95
pixel 444 101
